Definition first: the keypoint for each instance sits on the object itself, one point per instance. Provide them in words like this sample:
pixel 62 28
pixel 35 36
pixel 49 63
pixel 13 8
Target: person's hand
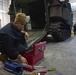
pixel 22 59
pixel 26 35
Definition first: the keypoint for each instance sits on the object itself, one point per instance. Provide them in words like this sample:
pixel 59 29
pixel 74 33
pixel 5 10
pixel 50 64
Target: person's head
pixel 20 21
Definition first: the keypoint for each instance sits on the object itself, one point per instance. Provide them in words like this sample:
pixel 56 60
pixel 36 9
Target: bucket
pixel 28 26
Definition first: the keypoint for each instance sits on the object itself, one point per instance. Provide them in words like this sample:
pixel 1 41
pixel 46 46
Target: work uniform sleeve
pixel 23 41
pixel 22 46
pixel 10 49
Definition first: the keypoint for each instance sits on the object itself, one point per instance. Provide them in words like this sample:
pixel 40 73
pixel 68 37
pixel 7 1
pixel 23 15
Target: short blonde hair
pixel 20 18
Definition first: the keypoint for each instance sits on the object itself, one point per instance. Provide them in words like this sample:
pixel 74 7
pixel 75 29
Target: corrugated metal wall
pixel 4 6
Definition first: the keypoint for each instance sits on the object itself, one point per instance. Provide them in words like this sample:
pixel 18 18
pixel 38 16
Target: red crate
pixel 36 54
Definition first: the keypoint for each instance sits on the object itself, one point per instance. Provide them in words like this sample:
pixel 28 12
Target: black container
pixel 74 29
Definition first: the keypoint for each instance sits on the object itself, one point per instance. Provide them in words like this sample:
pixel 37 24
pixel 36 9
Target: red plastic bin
pixel 36 54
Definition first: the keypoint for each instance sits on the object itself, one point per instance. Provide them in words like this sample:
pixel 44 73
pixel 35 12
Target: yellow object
pixel 52 69
pixel 72 32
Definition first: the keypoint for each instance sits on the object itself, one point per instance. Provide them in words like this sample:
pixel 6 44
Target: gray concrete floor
pixel 62 56
pixel 59 55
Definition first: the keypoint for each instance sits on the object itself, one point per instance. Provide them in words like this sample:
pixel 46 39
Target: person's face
pixel 19 26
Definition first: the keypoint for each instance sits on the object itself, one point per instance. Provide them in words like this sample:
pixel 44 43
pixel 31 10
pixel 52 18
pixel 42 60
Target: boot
pixel 3 58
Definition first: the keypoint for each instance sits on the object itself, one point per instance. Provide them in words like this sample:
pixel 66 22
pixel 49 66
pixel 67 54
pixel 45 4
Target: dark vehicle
pixel 47 17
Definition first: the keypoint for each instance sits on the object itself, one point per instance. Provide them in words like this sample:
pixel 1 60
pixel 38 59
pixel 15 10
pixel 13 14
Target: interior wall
pixel 4 7
pixel 5 18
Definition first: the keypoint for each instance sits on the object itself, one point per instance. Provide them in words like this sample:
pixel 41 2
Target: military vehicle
pixel 52 17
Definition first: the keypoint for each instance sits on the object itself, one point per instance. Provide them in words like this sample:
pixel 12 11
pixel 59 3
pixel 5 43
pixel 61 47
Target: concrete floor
pixel 59 55
pixel 62 56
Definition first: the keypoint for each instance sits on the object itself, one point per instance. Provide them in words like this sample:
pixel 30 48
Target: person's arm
pixel 23 41
pixel 11 50
pixel 25 34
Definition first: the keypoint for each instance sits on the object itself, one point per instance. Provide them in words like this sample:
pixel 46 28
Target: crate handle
pixel 41 49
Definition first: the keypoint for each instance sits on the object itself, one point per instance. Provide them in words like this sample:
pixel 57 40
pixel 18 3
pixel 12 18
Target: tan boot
pixel 3 58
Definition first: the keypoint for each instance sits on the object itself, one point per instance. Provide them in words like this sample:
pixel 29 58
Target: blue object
pixel 13 67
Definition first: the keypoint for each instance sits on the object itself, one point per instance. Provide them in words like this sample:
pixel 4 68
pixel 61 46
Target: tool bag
pixel 13 68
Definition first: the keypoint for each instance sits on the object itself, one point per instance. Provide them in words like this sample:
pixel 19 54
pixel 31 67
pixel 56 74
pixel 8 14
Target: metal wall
pixel 4 7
